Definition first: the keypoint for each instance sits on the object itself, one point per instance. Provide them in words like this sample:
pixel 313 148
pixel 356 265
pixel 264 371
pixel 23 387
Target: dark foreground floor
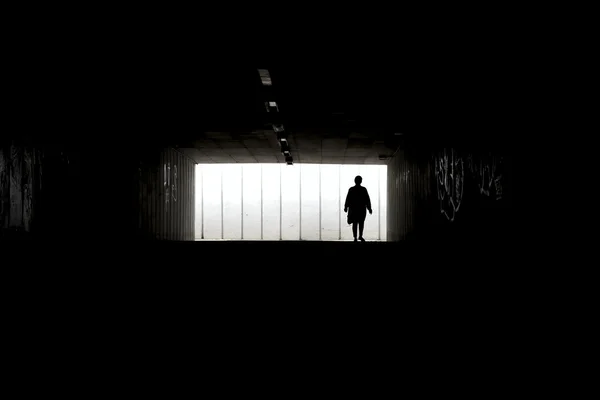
pixel 203 308
pixel 253 269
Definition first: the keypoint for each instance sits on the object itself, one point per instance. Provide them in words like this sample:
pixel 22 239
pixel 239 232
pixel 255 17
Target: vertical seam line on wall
pixel 176 203
pixel 161 198
pixel 180 198
pixel 174 206
pixel 173 225
pixel 186 213
pixel 22 188
pixel 165 219
pixel 155 197
pixel 340 201
pixel 194 202
pixel 320 216
pixel 187 201
pixel 169 229
pixel 261 203
pixel 222 230
pixel 280 206
pixel 379 204
pixel 202 203
pixel 168 198
pixel 190 202
pixel 242 196
pixel 300 199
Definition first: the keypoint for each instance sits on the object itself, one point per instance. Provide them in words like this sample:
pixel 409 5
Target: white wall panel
pixel 232 201
pixel 252 207
pixel 212 207
pixel 383 202
pixel 271 195
pixel 290 197
pixel 310 201
pixel 277 201
pixel 330 202
pixel 198 200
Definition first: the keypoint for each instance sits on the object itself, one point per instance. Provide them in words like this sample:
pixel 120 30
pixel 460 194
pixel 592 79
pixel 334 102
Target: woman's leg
pixel 361 227
pixel 354 228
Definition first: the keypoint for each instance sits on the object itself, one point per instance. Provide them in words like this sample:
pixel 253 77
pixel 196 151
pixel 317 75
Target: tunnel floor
pixel 285 241
pixel 184 279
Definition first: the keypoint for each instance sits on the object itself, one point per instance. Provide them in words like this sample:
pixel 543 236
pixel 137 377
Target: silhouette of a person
pixel 357 204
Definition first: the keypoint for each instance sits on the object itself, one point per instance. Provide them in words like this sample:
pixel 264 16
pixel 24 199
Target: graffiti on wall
pixel 405 175
pixel 167 183
pixel 450 180
pixel 485 171
pixel 174 186
pixel 4 188
pixel 27 187
pixel 20 181
pixel 170 183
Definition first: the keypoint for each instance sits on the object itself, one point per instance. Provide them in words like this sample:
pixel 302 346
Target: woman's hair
pixel 358 180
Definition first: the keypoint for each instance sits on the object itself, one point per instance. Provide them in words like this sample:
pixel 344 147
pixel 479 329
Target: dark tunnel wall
pixel 165 197
pixel 20 185
pixel 409 186
pixel 37 191
pixel 449 189
pixel 61 193
pixel 452 189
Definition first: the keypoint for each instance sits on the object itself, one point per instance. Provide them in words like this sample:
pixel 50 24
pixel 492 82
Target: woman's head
pixel 358 180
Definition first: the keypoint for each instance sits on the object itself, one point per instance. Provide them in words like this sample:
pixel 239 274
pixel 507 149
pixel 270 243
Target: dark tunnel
pixel 97 207
pixel 114 165
pixel 449 167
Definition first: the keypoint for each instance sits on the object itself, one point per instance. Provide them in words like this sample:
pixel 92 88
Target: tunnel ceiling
pixel 353 110
pixel 305 147
pixel 329 116
pixel 341 112
pixel 344 112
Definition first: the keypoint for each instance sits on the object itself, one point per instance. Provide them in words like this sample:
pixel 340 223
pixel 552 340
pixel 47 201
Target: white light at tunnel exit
pixel 276 201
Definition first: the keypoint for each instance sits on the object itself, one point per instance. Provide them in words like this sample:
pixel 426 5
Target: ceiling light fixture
pixel 265 77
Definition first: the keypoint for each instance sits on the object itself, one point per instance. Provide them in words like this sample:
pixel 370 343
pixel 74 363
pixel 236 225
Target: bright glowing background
pixel 283 202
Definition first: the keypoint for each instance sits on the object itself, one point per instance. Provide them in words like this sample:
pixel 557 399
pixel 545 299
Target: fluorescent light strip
pixel 265 77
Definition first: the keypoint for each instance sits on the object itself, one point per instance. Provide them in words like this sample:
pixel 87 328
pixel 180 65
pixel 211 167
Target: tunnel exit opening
pixel 285 202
